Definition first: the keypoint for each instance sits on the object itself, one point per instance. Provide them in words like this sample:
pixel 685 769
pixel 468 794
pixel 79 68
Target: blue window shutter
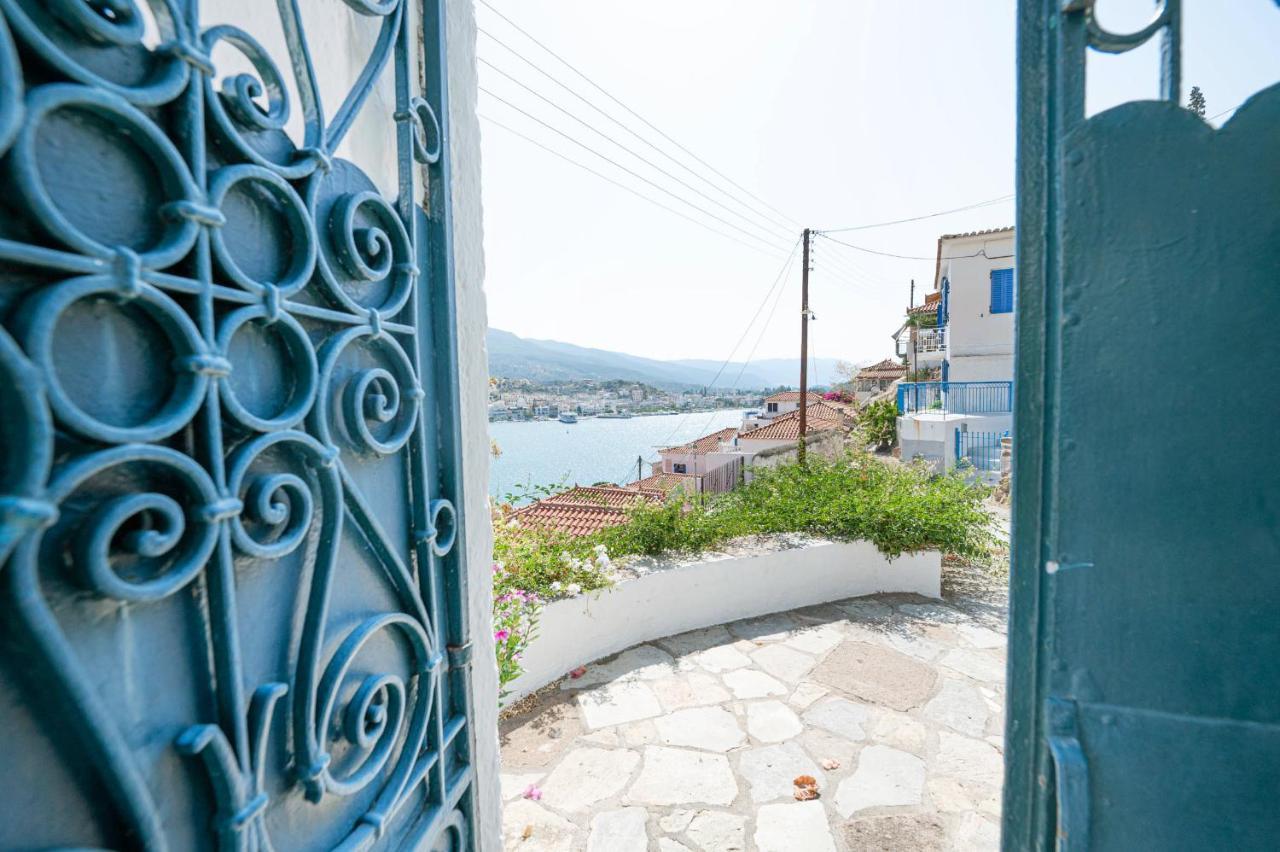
pixel 1001 291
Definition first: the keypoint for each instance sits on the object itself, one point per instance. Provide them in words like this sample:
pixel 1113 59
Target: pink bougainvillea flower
pixel 532 792
pixel 578 672
pixel 501 636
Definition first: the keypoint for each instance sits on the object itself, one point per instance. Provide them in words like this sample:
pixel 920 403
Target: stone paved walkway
pixel 892 703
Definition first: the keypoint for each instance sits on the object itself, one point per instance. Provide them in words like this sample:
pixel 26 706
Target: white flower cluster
pixel 600 563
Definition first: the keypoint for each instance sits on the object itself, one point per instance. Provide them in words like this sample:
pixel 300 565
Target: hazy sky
pixel 834 112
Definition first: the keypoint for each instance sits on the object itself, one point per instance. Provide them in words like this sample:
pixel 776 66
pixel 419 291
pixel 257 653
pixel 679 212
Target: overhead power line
pixel 635 114
pixel 979 253
pixel 626 169
pixel 973 206
pixel 629 189
pixel 746 331
pixel 768 233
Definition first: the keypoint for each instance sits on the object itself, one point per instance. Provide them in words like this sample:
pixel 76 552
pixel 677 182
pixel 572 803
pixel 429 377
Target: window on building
pixel 771 407
pixel 1001 291
pixel 679 468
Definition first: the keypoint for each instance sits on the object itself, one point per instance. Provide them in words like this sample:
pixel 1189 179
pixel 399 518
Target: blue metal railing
pixel 980 449
pixel 956 397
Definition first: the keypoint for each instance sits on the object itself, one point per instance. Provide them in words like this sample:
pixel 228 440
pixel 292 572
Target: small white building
pixel 965 327
pixel 775 406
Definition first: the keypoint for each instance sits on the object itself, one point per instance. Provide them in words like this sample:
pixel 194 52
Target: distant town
pixel 525 399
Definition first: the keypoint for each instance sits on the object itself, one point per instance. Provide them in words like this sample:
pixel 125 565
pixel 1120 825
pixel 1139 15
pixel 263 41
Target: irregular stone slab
pixel 607 738
pixel 772 721
pixel 770 770
pixel 707 728
pixel 823 745
pixel 677 821
pixel 766 628
pixel 513 785
pixel 876 674
pixel 586 776
pixel 979 665
pixel 916 832
pixel 691 689
pixel 536 739
pixel 644 662
pixel 676 776
pixel 528 827
pixel 900 731
pixel 618 702
pixel 815 640
pixel 840 716
pixel 696 641
pixel 866 609
pixel 792 827
pixel 618 831
pixel 806 693
pixel 784 663
pixel 722 659
pixel 666 844
pixel 977 834
pixel 714 831
pixel 886 777
pixel 639 734
pixel 980 637
pixel 934 613
pixel 959 706
pixel 967 758
pixel 749 683
pixel 962 795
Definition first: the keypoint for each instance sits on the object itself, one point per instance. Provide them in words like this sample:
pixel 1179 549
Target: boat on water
pixel 568 417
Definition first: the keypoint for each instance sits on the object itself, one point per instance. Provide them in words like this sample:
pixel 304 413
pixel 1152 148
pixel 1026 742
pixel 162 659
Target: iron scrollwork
pixel 212 365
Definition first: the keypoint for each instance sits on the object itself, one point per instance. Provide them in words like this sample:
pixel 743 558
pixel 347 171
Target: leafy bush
pixel 879 423
pixel 898 508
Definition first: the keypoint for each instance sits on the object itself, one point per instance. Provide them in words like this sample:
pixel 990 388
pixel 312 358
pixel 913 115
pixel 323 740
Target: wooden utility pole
pixel 804 349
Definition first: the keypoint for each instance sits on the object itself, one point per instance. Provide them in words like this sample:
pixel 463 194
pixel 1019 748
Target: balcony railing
pixel 931 339
pixel 956 397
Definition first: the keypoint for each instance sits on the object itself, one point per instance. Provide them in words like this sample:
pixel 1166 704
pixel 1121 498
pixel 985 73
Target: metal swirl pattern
pixel 230 586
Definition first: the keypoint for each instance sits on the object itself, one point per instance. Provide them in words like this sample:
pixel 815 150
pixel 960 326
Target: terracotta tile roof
pixel 666 482
pixel 788 429
pixel 886 369
pixel 705 444
pixel 583 510
pixel 792 396
pixel 612 496
pixel 922 309
pixel 574 520
pixel 821 416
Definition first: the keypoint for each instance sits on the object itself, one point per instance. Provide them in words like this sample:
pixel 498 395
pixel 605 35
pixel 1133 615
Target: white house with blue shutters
pixel 965 413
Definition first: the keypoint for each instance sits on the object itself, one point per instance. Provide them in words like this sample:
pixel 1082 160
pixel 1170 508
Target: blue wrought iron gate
pixel 231 582
pixel 1144 641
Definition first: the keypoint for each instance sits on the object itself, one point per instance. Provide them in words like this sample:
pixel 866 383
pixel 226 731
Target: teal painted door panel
pixel 1144 708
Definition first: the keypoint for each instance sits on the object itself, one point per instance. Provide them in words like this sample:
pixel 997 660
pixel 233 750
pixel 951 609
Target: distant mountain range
pixel 516 357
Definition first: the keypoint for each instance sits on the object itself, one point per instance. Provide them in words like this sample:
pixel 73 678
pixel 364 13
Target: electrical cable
pixel 768 233
pixel 621 185
pixel 629 171
pixel 974 206
pixel 746 331
pixel 637 115
pixel 979 253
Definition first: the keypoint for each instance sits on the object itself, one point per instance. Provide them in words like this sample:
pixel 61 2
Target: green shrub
pixel 900 508
pixel 879 423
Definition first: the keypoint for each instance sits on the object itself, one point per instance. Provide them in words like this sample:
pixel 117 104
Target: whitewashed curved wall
pixel 714 590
